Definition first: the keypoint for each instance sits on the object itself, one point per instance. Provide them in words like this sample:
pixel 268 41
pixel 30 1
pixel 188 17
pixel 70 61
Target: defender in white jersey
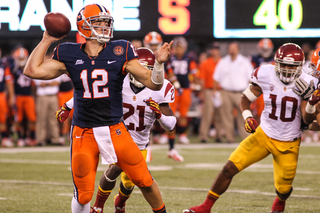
pixel 279 131
pixel 141 108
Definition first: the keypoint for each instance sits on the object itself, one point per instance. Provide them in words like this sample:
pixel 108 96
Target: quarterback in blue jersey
pixel 97 69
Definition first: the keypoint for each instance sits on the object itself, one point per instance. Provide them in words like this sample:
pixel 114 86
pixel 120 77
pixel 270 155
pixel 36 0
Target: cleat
pixel 149 155
pixel 117 207
pixel 20 143
pixel 278 206
pixel 197 209
pixel 6 142
pixel 95 210
pixel 163 139
pixel 184 139
pixel 174 154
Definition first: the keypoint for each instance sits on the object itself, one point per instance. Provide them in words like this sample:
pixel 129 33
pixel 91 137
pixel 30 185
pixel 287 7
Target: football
pixel 57 24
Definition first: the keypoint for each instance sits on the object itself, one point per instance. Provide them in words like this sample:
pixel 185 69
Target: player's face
pixel 100 27
pixel 291 68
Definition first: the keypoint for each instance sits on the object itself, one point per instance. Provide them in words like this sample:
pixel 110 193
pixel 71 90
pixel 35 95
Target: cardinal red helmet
pixel 265 47
pixel 289 54
pixel 146 59
pixel 153 41
pixel 95 13
pixel 315 63
pixel 20 56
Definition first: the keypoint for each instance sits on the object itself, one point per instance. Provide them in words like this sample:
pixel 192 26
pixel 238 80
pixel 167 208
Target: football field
pixel 38 180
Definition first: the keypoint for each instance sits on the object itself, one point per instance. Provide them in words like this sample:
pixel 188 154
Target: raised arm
pixel 151 79
pixel 39 68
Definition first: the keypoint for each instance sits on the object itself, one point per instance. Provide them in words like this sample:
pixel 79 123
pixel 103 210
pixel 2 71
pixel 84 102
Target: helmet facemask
pixel 285 74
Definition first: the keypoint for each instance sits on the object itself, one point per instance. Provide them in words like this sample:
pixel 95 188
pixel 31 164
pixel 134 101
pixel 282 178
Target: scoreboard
pixel 221 19
pixel 266 18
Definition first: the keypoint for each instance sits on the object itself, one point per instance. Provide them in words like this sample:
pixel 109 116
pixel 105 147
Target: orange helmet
pixel 315 64
pixel 20 56
pixel 265 47
pixel 92 13
pixel 153 41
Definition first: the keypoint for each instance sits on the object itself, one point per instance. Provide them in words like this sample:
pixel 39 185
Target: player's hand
pixel 250 124
pixel 305 90
pixel 315 97
pixel 63 113
pixel 154 106
pixel 163 53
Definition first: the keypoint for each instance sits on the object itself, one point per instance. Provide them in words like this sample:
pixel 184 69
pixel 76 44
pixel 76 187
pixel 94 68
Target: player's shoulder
pixel 120 42
pixel 166 93
pixel 309 78
pixel 68 45
pixel 66 49
pixel 263 72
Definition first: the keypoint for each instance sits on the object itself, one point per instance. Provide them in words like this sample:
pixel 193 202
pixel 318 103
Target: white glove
pixel 304 89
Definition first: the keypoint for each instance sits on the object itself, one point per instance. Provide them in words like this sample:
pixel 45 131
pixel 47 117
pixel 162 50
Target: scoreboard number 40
pixel 287 14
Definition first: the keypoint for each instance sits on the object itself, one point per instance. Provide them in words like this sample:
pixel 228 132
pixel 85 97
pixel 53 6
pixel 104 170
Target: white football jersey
pixel 281 117
pixel 138 117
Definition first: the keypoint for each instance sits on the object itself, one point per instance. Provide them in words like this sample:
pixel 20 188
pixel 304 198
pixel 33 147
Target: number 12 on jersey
pixel 96 84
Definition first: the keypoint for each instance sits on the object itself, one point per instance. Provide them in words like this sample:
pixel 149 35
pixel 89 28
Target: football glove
pixel 154 106
pixel 63 113
pixel 304 89
pixel 315 97
pixel 250 124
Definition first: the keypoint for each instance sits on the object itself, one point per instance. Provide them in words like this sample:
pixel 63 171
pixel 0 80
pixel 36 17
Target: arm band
pixel 168 122
pixel 246 114
pixel 176 85
pixel 157 74
pixel 310 109
pixel 251 97
pixel 70 103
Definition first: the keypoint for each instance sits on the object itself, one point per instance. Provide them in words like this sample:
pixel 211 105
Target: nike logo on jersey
pixel 79 61
pixel 110 62
pixel 79 136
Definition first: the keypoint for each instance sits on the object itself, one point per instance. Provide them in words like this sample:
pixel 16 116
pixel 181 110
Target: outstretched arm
pixel 151 79
pixel 38 68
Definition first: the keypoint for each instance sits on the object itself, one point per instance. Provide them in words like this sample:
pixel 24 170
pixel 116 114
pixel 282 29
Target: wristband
pixel 168 122
pixel 70 103
pixel 246 114
pixel 176 85
pixel 157 74
pixel 310 109
pixel 249 94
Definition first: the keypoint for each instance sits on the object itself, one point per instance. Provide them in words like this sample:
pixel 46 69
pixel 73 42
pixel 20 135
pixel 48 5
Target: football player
pixel 25 103
pixel 178 68
pixel 6 100
pixel 141 108
pixel 153 41
pixel 97 69
pixel 312 105
pixel 279 131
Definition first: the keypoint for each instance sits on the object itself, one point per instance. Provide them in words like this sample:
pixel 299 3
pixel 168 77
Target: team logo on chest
pixel 271 87
pixel 134 98
pixel 118 50
pixel 285 89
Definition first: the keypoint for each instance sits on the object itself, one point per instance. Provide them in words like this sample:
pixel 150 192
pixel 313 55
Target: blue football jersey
pixel 97 81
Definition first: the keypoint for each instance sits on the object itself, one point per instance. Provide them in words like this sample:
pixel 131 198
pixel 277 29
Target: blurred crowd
pixel 208 89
